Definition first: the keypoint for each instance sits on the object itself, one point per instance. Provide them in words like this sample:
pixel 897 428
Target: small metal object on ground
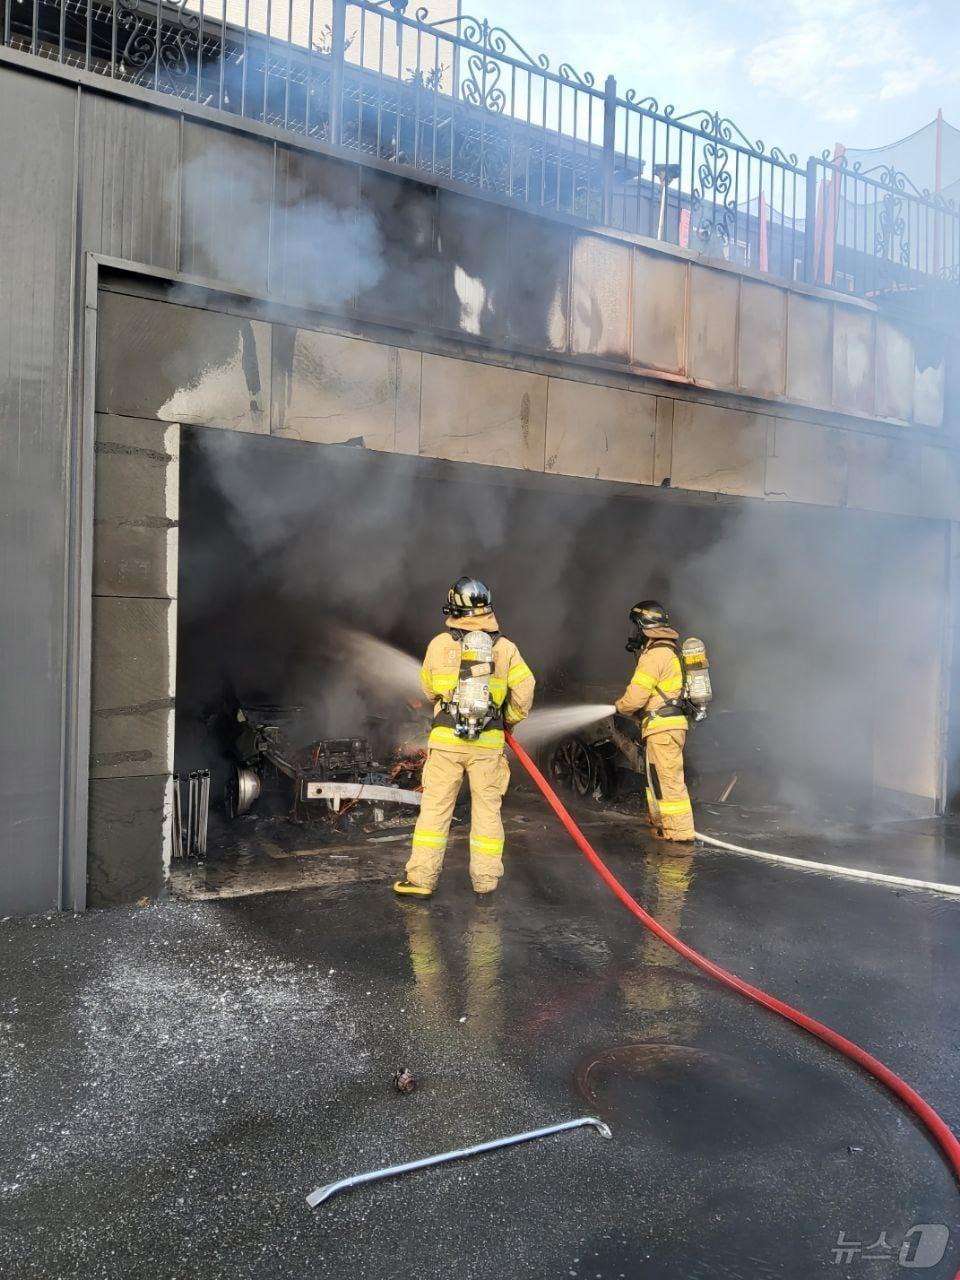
pixel 404 1081
pixel 331 1189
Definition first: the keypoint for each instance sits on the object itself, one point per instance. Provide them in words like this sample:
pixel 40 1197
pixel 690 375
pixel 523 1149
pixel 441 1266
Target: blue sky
pixel 802 74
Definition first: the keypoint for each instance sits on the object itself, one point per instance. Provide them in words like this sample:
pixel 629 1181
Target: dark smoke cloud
pixel 283 542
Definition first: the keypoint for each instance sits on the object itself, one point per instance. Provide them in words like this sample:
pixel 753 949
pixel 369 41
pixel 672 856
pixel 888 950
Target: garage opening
pixel 290 553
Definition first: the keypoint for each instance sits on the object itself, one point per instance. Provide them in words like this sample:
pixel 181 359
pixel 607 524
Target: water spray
pixel 558 722
pixel 384 664
pixel 929 1118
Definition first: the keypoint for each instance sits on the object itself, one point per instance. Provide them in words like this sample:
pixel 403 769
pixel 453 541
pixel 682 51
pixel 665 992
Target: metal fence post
pixel 609 147
pixel 338 53
pixel 810 224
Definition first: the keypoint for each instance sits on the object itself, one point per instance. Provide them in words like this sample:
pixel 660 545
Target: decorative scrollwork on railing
pixel 481 86
pixel 566 72
pixel 886 176
pixel 710 124
pixel 643 104
pixel 891 240
pixel 171 43
pixel 497 42
pixel 711 197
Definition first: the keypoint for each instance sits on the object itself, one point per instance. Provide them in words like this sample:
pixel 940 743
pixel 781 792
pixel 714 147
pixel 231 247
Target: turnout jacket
pixel 657 681
pixel 511 685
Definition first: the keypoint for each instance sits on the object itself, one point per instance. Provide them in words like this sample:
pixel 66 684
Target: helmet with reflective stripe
pixel 468 598
pixel 648 614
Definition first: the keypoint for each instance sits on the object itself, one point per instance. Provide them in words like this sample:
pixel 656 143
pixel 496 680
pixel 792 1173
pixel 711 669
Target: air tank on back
pixel 698 690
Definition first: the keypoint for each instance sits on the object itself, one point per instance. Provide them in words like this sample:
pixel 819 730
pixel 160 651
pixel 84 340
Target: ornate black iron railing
pixel 457 98
pixel 875 234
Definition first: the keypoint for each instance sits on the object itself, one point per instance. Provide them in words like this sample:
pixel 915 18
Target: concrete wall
pixel 226 370
pixel 747 387
pixel 134 657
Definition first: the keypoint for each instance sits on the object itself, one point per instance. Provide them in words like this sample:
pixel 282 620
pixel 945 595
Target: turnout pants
pixel 489 775
pixel 667 797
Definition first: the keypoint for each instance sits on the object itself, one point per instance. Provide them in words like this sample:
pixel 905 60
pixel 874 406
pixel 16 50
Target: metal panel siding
pixel 714 303
pixel 600 306
pixel 182 364
pixel 406 288
pixel 538 253
pixel 226 196
pixel 130 158
pixel 320 247
pixel 36 230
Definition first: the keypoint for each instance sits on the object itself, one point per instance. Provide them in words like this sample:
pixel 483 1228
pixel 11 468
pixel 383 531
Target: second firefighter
pixel 479 684
pixel 656 692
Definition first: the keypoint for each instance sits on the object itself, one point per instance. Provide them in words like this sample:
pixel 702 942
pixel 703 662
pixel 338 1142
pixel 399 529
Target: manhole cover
pixel 671 1088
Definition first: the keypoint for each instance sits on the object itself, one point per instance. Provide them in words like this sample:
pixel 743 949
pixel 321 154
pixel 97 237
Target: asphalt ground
pixel 174 1079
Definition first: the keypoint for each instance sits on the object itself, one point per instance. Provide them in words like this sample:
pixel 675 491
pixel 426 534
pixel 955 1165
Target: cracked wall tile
pixel 602 432
pixel 718 450
pixel 473 412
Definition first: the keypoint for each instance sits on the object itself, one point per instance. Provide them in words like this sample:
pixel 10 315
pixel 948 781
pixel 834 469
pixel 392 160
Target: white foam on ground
pixel 191 1026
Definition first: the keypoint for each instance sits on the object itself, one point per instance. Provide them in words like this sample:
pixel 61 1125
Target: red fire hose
pixel 921 1109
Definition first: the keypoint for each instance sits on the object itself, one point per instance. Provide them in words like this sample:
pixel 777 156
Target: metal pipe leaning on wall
pixel 190 838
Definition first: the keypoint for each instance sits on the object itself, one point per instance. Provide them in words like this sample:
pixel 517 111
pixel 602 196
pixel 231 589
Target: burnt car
pixel 276 772
pixel 728 750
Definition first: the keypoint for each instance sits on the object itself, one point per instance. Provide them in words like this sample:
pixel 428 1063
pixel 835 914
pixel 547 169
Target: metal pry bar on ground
pixel 331 1189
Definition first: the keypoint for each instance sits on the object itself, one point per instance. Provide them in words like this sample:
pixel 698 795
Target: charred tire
pixel 573 766
pixel 242 791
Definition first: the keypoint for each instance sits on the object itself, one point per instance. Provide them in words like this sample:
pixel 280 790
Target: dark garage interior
pixel 286 548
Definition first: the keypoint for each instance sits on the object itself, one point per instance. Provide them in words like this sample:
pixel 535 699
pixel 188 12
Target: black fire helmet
pixel 468 598
pixel 648 614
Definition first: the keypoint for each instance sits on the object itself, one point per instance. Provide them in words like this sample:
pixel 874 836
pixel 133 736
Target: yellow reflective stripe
pixel 520 671
pixel 442 736
pixel 498 690
pixel 512 715
pixel 673 684
pixel 481 844
pixel 644 681
pixel 430 839
pixel 441 683
pixel 659 724
pixel 671 807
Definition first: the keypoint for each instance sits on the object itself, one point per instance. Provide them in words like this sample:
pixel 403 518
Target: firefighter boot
pixel 405 887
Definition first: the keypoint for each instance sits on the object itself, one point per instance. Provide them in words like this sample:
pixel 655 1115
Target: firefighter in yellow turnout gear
pixel 654 691
pixel 479 684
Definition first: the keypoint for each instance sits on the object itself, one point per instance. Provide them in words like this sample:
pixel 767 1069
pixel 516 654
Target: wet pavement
pixel 175 1079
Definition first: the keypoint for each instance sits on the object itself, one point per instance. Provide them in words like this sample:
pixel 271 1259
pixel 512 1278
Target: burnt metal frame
pixel 594 155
